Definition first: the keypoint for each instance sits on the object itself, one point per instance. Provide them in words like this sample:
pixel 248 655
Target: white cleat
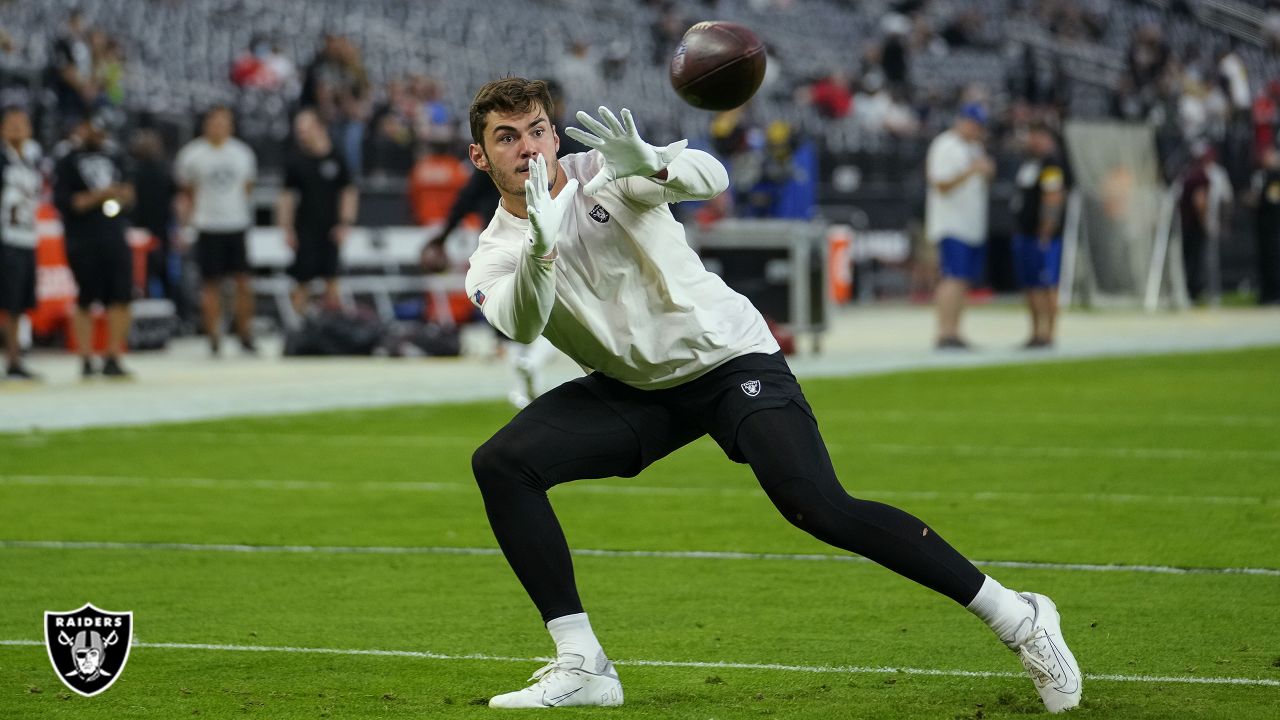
pixel 565 683
pixel 1047 659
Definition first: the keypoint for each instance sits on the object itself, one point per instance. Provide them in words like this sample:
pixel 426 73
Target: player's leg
pixel 787 454
pixel 14 276
pixel 209 258
pixel 588 428
pixel 238 262
pixel 82 259
pixel 949 297
pixel 117 296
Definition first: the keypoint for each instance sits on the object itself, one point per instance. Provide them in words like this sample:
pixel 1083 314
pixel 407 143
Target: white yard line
pixel 1134 453
pixel 701 665
pixel 1053 418
pixel 588 552
pixel 612 488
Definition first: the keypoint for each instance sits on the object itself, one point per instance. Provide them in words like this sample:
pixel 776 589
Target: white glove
pixel 545 213
pixel 625 154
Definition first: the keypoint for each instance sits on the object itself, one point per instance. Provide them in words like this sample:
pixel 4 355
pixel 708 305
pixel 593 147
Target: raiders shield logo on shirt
pixel 599 214
pixel 751 388
pixel 88 647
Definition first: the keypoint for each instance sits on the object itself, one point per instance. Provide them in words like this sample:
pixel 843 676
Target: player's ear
pixel 478 158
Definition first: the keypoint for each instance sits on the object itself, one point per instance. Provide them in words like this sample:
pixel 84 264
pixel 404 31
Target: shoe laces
pixel 1039 659
pixel 545 671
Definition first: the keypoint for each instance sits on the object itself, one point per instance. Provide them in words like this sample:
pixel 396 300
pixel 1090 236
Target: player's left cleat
pixel 565 682
pixel 1047 659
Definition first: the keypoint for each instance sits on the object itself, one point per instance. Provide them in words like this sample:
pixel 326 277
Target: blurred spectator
pixel 830 95
pixel 881 110
pixel 959 174
pixel 1234 79
pixel 787 185
pixel 156 190
pixel 1206 193
pixel 1148 57
pixel 71 71
pixel 579 69
pixel 337 88
pixel 894 52
pixel 216 172
pixel 426 108
pixel 1038 207
pixel 1266 119
pixel 666 32
pixel 437 178
pixel 1265 197
pixel 1271 26
pixel 20 186
pixel 263 65
pixel 316 208
pixel 108 68
pixel 388 146
pixel 249 67
pixel 476 200
pixel 282 73
pixel 92 195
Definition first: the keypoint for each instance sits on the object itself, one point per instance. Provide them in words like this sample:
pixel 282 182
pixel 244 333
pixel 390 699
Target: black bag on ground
pixel 332 332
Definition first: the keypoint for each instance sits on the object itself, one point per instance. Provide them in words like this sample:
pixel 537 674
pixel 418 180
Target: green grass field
pixel 1164 463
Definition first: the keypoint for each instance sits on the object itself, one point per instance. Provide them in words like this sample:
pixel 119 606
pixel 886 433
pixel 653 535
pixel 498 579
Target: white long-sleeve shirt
pixel 625 294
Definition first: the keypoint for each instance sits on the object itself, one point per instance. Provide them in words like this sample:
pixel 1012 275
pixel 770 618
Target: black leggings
pixel 569 434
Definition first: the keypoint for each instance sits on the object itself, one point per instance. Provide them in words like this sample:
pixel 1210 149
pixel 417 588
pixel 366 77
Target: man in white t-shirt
pixel 216 172
pixel 959 175
pixel 604 272
pixel 20 186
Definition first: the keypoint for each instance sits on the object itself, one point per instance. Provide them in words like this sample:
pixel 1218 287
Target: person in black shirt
pixel 71 71
pixel 1038 204
pixel 92 195
pixel 156 190
pixel 1266 195
pixel 317 220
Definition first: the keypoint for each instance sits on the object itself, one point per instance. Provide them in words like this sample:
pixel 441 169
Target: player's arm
pixel 693 175
pixel 517 289
pixel 1053 198
pixel 348 206
pixel 286 205
pixel 184 198
pixel 947 179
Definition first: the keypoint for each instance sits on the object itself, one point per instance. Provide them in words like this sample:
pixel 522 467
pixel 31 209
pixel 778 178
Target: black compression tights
pixel 786 452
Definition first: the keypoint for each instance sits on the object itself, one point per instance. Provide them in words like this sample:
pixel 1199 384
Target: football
pixel 718 66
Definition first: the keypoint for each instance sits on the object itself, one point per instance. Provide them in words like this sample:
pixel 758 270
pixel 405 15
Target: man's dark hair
pixel 508 95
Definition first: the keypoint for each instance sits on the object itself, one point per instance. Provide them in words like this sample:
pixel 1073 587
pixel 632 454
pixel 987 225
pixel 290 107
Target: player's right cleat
pixel 1047 659
pixel 564 682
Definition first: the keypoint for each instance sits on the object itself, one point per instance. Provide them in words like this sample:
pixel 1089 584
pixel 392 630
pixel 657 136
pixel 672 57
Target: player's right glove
pixel 545 212
pixel 624 153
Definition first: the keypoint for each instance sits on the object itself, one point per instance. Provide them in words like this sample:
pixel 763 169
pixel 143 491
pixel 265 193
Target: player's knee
pixel 496 465
pixel 811 511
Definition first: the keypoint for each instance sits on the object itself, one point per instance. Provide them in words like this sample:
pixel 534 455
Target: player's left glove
pixel 625 154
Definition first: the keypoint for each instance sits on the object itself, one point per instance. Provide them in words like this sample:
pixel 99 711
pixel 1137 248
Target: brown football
pixel 718 66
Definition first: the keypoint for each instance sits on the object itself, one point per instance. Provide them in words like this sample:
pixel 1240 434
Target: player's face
pixel 217 127
pixel 511 141
pixel 17 127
